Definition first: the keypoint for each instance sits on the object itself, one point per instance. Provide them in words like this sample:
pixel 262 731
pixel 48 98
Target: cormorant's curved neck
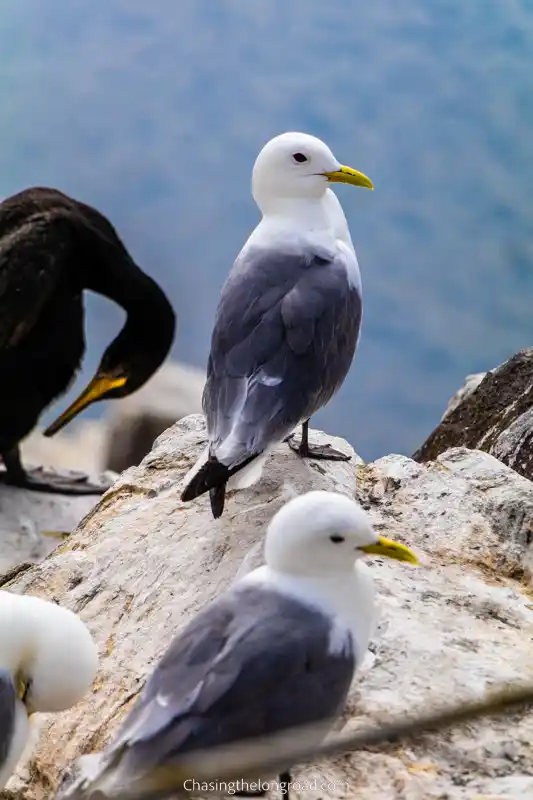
pixel 150 318
pixel 123 282
pixel 150 322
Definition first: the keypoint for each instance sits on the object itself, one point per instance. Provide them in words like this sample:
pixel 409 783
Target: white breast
pixel 348 600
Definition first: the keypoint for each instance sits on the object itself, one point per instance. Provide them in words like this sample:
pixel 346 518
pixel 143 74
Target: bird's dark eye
pixel 336 538
pixel 299 158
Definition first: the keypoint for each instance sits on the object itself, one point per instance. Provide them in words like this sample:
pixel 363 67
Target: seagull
pixel 278 650
pixel 48 661
pixel 288 320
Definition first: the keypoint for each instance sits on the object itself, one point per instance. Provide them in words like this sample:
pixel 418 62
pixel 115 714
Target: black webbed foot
pixel 320 452
pixel 38 480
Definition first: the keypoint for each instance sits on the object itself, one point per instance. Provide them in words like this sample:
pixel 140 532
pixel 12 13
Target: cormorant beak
pixel 389 549
pixel 99 386
pixel 349 175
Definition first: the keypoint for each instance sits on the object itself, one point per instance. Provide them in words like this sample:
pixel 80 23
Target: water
pixel 155 112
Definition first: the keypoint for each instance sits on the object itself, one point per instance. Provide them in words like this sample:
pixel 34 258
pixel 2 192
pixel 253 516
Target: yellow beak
pixel 389 549
pixel 97 388
pixel 22 690
pixel 21 687
pixel 349 175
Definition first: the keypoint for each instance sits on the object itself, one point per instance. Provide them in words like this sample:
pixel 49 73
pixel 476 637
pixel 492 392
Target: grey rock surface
pixel 141 563
pixel 470 385
pixel 494 415
pixel 33 524
pixel 79 446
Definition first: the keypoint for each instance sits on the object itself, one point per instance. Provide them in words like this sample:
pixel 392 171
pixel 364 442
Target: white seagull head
pixel 322 534
pixel 48 650
pixel 298 166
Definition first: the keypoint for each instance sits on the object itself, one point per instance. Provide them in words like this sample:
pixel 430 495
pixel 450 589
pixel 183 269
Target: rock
pixel 33 524
pixel 78 447
pixel 135 422
pixel 141 563
pixel 470 385
pixel 495 417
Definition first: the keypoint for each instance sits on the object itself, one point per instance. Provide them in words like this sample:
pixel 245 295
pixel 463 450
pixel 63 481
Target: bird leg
pixel 38 480
pixel 321 452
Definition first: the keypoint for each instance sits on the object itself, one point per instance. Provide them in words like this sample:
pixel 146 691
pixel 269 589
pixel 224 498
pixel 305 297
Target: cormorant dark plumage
pixel 53 247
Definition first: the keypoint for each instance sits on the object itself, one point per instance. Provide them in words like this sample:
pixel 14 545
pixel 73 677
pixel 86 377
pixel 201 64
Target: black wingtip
pixel 217 496
pixel 209 477
pixel 190 492
pixel 212 477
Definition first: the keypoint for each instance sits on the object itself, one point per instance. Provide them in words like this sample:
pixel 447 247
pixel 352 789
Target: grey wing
pixel 247 666
pixel 8 700
pixel 284 338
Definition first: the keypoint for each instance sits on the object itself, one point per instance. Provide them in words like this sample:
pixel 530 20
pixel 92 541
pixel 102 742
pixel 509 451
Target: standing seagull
pixel 52 247
pixel 278 650
pixel 48 662
pixel 288 319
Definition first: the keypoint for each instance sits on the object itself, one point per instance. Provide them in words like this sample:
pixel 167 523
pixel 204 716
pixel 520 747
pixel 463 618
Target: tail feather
pixel 217 496
pixel 249 474
pixel 212 477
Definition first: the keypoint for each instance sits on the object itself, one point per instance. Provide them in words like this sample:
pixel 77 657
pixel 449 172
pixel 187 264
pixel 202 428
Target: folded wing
pixel 253 663
pixel 284 337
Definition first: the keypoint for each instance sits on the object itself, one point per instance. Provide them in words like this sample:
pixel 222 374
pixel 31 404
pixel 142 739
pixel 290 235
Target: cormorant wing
pixel 33 248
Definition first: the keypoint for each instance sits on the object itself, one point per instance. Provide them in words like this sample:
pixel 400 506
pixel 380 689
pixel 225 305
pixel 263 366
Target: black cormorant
pixel 52 247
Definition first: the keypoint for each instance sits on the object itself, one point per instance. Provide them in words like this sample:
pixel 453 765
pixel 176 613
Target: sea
pixel 154 113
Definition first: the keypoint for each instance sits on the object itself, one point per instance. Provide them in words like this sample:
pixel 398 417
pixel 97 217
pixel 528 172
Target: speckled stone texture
pixel 142 563
pixel 494 415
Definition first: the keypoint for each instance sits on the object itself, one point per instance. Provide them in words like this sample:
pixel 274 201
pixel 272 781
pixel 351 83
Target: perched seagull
pixel 48 661
pixel 278 650
pixel 288 319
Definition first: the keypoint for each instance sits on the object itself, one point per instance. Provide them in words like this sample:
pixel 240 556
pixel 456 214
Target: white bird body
pixel 48 651
pixel 302 217
pixel 347 599
pixel 323 216
pixel 288 321
pixel 278 650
